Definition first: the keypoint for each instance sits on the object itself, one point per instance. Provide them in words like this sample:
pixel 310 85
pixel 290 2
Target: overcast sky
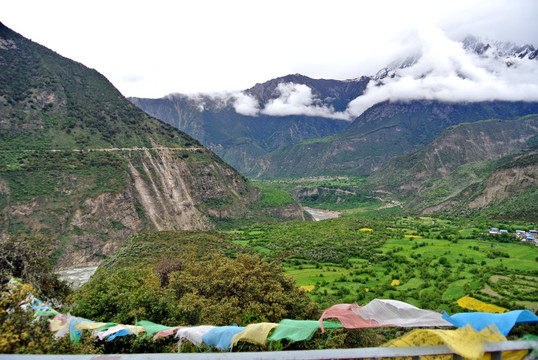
pixel 153 48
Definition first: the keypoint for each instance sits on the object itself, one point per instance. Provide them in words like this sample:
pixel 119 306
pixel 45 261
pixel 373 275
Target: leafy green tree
pixel 242 291
pixel 123 296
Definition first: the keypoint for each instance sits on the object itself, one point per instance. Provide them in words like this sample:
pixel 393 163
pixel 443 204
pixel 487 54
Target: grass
pixel 272 197
pixel 339 193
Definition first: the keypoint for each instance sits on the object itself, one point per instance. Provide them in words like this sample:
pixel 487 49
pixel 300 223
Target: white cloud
pixel 446 72
pixel 242 103
pixel 245 104
pixel 297 99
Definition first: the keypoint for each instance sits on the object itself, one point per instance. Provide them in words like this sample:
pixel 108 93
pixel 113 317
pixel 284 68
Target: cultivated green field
pixel 435 261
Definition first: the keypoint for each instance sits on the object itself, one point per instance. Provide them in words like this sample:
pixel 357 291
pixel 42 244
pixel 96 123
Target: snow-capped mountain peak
pixel 506 51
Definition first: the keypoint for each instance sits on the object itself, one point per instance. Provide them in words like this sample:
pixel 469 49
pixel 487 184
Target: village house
pixel 494 231
pixel 527 236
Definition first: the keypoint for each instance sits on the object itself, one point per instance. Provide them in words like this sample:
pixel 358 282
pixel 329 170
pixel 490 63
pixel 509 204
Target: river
pixel 320 214
pixel 77 276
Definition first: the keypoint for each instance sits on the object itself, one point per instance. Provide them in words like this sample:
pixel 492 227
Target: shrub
pixel 21 333
pixel 28 257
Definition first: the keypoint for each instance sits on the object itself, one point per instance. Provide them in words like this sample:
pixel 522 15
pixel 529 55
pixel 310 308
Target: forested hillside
pixel 81 164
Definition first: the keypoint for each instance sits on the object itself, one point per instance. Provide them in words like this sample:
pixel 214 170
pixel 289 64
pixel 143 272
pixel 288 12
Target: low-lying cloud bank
pixel 293 99
pixel 444 71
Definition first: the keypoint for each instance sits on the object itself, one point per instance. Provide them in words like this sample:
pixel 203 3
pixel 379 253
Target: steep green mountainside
pixel 382 132
pixel 50 102
pixel 81 164
pixel 239 139
pixel 462 158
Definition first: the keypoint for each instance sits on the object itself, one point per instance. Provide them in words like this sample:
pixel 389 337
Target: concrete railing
pixel 496 349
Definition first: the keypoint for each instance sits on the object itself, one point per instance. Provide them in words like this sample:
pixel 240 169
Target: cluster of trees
pixel 27 257
pixel 189 291
pixel 59 160
pixel 333 242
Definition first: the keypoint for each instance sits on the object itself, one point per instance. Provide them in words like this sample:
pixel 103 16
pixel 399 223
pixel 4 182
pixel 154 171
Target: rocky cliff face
pixel 503 183
pixel 156 189
pixel 162 190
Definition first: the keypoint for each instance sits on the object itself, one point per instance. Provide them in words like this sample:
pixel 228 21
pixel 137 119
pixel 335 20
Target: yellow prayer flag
pixel 466 342
pixel 254 334
pixel 470 303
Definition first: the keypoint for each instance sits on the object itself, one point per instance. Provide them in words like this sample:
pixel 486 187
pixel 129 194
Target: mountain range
pixel 295 125
pixel 82 165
